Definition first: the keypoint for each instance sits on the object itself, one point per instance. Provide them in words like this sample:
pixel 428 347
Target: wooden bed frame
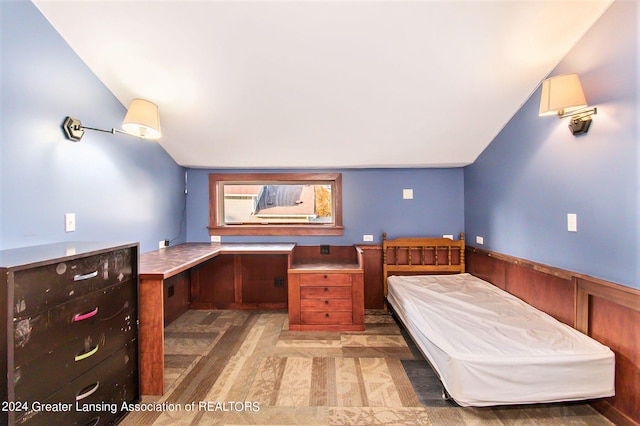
pixel 420 256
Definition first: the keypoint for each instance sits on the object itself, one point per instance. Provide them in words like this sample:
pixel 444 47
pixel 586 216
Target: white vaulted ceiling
pixel 324 84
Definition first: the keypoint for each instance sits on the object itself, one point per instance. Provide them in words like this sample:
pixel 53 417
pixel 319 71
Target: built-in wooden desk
pixel 158 266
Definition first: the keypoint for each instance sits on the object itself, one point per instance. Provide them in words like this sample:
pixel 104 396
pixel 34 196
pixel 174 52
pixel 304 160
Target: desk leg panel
pixel 357 294
pixel 294 299
pixel 151 337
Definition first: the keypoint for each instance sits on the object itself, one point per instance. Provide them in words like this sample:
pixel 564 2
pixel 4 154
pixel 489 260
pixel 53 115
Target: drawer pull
pixel 86 355
pixel 326 289
pixel 325 276
pixel 326 302
pixel 326 315
pixel 90 390
pixel 83 277
pixel 84 316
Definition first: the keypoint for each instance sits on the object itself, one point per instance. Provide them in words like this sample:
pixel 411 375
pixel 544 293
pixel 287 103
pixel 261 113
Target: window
pixel 275 204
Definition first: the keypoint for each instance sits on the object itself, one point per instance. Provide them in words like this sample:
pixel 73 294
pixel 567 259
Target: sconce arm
pixel 580 114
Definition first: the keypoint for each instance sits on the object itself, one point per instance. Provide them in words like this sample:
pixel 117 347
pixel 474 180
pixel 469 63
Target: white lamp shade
pixel 142 119
pixel 561 94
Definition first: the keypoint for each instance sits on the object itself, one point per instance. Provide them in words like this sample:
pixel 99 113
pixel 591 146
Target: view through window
pixel 277 203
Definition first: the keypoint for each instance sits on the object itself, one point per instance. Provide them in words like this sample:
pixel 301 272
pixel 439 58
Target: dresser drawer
pixel 325 292
pixel 103 309
pixel 40 288
pixel 329 305
pixel 325 318
pixel 325 279
pixel 42 376
pixel 105 387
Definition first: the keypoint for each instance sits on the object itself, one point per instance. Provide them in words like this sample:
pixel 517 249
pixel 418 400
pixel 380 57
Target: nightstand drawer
pixel 325 292
pixel 331 305
pixel 325 279
pixel 340 317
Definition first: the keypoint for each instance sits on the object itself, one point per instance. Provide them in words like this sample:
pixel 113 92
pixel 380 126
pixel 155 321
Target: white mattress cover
pixel 491 348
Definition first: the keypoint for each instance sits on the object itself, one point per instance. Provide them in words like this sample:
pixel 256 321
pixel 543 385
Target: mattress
pixel 491 348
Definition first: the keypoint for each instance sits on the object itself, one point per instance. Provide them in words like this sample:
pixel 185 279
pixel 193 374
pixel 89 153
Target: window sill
pixel 310 230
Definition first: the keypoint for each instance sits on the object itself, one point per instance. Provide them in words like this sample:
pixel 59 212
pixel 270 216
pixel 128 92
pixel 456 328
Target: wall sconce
pixel 562 95
pixel 142 120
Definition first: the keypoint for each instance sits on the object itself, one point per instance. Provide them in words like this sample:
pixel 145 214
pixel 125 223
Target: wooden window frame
pixel 216 215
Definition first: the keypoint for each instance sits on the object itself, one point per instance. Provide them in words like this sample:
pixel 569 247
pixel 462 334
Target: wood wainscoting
pixel 608 312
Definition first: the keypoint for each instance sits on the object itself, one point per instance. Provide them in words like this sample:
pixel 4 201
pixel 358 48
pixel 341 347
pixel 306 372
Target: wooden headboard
pixel 414 256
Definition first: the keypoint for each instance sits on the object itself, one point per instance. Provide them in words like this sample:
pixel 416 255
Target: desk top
pixel 321 267
pixel 167 262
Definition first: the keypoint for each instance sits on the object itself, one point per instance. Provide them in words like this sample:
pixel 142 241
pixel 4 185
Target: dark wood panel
pixel 489 269
pixel 151 326
pixel 212 282
pixel 357 295
pixel 550 294
pixel 259 274
pixel 373 287
pixel 240 281
pixel 619 328
pixel 176 296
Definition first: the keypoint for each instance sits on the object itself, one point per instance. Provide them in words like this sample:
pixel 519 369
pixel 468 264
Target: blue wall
pixel 516 195
pixel 520 189
pixel 372 203
pixel 120 188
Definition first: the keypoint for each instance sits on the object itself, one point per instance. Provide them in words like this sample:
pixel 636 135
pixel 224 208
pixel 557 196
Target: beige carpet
pixel 246 368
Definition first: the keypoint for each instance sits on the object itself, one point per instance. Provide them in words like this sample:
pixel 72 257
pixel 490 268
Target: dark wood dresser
pixel 69 333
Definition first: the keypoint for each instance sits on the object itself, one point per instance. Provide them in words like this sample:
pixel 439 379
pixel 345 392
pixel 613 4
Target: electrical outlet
pixel 572 222
pixel 324 249
pixel 216 238
pixel 448 236
pixel 278 282
pixel 479 240
pixel 161 244
pixel 367 238
pixel 407 194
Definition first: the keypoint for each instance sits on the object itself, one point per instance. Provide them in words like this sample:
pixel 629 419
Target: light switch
pixel 69 222
pixel 572 222
pixel 407 194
